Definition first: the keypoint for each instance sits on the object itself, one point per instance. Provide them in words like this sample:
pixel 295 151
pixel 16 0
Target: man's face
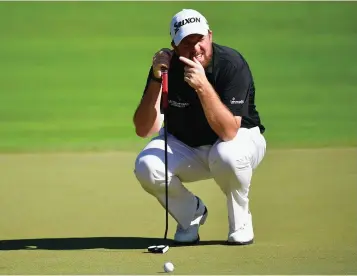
pixel 198 46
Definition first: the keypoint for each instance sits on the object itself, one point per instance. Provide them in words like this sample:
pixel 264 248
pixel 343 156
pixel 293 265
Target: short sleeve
pixel 233 86
pixel 147 80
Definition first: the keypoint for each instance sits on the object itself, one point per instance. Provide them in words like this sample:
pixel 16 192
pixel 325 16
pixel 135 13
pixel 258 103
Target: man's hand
pixel 194 73
pixel 161 59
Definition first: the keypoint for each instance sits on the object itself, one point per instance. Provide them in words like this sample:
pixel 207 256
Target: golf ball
pixel 168 267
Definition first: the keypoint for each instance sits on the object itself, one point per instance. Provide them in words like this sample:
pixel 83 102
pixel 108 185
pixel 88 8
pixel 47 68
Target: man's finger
pixel 166 53
pixel 188 68
pixel 188 61
pixel 196 61
pixel 199 65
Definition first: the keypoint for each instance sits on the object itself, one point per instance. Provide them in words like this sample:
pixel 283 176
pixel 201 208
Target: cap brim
pixel 188 30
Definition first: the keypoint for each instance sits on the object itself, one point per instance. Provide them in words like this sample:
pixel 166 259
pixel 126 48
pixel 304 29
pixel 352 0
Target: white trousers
pixel 230 164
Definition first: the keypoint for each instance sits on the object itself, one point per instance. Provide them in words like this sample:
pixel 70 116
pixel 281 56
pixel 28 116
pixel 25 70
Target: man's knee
pixel 150 172
pixel 227 157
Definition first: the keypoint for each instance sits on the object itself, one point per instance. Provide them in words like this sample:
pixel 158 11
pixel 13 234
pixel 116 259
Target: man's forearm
pixel 146 117
pixel 219 117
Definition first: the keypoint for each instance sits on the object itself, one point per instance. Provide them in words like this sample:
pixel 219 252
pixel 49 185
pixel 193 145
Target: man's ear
pixel 175 48
pixel 210 34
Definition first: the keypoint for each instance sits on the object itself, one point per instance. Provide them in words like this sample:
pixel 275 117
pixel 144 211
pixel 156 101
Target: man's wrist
pixel 159 80
pixel 202 88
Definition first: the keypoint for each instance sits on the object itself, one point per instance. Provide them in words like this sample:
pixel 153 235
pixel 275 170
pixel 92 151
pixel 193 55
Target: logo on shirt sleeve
pixel 234 101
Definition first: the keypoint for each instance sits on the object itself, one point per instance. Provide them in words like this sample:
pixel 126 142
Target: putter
pixel 163 248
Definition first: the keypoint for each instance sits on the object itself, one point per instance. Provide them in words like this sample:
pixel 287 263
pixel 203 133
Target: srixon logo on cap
pixel 181 23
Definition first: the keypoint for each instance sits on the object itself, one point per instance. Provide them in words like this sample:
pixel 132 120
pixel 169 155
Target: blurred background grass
pixel 72 73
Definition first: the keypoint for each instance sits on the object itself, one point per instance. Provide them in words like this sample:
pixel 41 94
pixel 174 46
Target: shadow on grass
pixel 90 243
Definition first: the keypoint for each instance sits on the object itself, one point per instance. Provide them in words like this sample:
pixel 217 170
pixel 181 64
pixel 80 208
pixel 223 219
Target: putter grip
pixel 165 87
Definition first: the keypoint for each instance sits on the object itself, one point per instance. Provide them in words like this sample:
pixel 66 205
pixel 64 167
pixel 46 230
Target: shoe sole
pixel 203 220
pixel 195 242
pixel 240 243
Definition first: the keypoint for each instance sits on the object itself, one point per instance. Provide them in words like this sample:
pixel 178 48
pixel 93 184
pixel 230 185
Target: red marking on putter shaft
pixel 165 87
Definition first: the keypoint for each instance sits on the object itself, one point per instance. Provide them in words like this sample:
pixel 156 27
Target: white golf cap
pixel 187 22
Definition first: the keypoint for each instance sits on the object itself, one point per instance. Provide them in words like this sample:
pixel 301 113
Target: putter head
pixel 158 249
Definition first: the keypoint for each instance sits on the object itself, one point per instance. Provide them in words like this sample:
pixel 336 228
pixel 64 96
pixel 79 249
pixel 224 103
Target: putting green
pixel 86 214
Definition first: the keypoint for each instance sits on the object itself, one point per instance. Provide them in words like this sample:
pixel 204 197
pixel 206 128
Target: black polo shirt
pixel 229 74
